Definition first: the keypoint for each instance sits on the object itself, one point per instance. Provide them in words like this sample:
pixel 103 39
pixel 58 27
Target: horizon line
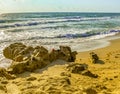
pixel 57 12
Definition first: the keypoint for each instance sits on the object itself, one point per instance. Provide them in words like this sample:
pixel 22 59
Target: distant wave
pixel 88 19
pixel 87 34
pixel 34 23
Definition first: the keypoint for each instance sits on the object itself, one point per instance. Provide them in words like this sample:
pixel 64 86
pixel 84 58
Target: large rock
pixel 27 58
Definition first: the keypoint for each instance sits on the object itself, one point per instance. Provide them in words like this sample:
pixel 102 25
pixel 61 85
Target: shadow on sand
pixel 40 71
pixel 57 62
pixel 100 62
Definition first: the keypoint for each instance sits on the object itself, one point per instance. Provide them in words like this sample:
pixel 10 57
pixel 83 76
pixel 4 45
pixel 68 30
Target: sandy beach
pixel 56 79
pixel 59 47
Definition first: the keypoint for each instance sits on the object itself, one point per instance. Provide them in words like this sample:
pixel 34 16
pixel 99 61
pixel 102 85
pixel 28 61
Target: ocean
pixel 80 31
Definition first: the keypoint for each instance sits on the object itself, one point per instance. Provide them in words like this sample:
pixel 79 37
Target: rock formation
pixel 27 58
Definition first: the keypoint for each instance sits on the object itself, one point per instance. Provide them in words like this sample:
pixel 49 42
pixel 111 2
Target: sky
pixel 11 6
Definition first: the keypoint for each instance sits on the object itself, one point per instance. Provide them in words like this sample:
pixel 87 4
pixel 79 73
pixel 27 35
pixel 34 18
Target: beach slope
pixel 102 77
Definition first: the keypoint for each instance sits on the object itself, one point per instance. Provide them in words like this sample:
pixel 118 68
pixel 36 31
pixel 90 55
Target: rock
pixel 94 57
pixel 76 67
pixel 63 53
pixel 27 58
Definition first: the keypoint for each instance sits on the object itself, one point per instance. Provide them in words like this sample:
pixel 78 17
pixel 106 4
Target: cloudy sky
pixel 59 6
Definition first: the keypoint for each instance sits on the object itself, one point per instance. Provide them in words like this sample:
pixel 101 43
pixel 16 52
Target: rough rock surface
pixel 27 58
pixel 63 53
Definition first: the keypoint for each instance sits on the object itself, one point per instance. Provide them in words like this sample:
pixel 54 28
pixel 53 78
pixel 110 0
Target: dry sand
pixel 50 81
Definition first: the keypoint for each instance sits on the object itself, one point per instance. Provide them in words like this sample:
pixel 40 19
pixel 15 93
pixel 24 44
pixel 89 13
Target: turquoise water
pixel 56 25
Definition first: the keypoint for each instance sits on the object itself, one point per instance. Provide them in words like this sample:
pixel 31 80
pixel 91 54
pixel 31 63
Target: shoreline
pixel 107 41
pixel 97 43
pixel 113 46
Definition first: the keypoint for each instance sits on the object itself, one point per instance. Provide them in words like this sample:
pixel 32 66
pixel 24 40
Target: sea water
pixel 80 31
